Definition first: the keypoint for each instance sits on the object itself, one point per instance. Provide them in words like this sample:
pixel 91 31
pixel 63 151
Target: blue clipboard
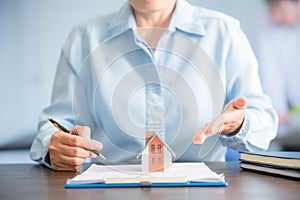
pixel 133 185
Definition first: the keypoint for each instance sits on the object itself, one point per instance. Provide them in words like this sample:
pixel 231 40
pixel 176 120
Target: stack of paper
pixel 129 174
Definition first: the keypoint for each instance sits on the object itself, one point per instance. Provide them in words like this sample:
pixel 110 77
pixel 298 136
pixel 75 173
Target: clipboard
pixel 136 185
pixel 129 176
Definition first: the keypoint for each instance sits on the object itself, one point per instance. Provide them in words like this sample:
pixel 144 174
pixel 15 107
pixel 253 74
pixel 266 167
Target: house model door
pixel 156 155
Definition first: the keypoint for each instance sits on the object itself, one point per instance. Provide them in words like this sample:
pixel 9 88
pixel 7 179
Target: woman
pixel 163 66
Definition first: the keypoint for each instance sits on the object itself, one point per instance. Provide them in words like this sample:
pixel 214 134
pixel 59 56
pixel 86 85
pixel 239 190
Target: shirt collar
pixel 185 18
pixel 122 21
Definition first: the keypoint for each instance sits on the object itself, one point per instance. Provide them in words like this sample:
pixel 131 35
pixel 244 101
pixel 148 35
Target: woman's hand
pixel 229 122
pixel 68 152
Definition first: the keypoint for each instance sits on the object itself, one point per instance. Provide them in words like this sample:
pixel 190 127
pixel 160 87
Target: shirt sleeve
pixel 61 102
pixel 261 121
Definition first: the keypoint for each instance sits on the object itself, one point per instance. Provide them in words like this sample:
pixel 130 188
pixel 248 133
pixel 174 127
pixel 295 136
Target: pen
pixel 64 129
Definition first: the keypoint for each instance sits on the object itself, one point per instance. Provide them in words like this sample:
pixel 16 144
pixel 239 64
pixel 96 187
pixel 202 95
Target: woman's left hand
pixel 229 122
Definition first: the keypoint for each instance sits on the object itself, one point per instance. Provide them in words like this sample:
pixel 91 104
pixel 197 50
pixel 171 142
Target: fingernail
pixel 94 155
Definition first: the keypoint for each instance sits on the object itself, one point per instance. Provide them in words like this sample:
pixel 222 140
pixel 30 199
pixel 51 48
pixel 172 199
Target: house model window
pixel 157 155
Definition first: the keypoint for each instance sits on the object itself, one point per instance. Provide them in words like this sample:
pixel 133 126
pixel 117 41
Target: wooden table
pixel 36 182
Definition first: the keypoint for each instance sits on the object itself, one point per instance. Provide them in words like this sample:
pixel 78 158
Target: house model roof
pixel 152 138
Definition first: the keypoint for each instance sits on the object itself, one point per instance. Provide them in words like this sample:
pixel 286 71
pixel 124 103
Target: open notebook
pixel 179 174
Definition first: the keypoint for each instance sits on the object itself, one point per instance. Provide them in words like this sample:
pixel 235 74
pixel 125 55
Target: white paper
pixel 192 172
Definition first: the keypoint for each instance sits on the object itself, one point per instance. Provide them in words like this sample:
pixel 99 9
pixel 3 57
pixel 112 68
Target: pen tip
pixel 49 118
pixel 102 156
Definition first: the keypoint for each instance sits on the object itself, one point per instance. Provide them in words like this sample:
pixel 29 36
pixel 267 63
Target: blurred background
pixel 31 36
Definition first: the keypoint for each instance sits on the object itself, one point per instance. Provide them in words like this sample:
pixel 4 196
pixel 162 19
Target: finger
pixel 64 167
pixel 240 103
pixel 67 139
pixel 237 103
pixel 83 131
pixel 77 141
pixel 200 135
pixel 72 151
pixel 213 128
pixel 66 163
pixel 234 121
pixel 91 144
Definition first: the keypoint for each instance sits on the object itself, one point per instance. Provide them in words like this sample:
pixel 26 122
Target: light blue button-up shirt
pixel 109 79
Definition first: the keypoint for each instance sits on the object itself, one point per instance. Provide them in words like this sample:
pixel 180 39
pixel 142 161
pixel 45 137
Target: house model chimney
pixel 149 135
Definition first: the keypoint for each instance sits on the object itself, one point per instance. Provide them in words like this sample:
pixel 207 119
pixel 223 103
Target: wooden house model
pixel 157 155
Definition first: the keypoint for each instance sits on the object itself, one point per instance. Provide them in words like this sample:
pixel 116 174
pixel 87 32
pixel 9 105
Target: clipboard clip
pixel 145 182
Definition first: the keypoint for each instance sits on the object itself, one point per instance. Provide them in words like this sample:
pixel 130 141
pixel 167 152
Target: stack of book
pixel 283 163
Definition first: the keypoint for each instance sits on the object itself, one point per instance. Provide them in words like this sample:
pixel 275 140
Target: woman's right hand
pixel 69 151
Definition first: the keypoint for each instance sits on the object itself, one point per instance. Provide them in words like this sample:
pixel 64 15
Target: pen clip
pixel 56 125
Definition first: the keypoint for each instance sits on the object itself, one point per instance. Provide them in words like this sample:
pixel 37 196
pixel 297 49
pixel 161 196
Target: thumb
pixel 238 103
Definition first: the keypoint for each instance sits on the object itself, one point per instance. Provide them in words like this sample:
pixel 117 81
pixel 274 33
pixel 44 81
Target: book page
pixel 178 172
